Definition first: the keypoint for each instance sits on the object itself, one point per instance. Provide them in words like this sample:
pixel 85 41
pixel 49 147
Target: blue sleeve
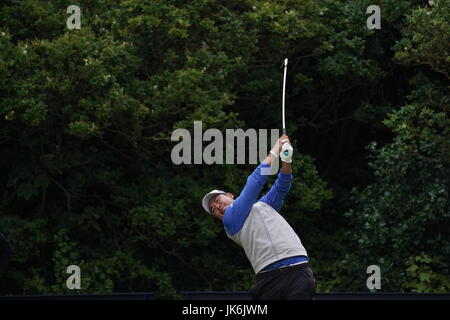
pixel 277 193
pixel 237 212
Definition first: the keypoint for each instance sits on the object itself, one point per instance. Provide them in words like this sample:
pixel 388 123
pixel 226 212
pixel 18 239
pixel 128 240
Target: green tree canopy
pixel 86 118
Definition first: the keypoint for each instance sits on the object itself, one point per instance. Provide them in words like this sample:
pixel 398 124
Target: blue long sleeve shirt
pixel 236 214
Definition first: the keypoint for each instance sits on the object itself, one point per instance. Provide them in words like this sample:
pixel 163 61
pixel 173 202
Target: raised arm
pixel 282 185
pixel 256 181
pixel 238 211
pixel 286 168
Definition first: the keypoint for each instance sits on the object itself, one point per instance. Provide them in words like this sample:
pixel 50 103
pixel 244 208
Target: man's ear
pixel 230 195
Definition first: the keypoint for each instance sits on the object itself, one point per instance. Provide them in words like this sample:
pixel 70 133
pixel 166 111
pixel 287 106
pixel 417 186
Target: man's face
pixel 219 203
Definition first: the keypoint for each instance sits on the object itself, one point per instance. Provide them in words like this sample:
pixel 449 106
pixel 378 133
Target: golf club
pixel 285 148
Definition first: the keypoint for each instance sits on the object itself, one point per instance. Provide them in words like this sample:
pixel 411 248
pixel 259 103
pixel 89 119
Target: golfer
pixel 274 250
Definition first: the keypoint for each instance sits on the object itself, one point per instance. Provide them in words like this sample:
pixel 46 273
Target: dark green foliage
pixel 406 210
pixel 86 118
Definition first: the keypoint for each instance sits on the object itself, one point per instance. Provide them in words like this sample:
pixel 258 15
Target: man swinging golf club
pixel 275 251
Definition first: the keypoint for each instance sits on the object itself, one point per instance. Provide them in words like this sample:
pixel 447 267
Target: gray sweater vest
pixel 266 237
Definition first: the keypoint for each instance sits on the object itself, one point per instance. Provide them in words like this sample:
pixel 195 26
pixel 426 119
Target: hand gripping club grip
pixel 286 153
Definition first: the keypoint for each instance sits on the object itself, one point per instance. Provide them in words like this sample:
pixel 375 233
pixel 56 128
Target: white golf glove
pixel 286 153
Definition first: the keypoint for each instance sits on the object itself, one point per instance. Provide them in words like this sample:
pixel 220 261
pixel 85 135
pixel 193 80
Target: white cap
pixel 208 196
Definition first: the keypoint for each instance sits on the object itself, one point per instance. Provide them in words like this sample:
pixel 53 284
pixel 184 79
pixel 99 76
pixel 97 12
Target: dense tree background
pixel 86 118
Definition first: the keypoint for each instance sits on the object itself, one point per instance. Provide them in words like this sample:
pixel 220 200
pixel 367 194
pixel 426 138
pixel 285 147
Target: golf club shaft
pixel 284 95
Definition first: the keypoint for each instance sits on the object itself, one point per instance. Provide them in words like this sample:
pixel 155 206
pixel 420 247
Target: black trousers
pixel 288 283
